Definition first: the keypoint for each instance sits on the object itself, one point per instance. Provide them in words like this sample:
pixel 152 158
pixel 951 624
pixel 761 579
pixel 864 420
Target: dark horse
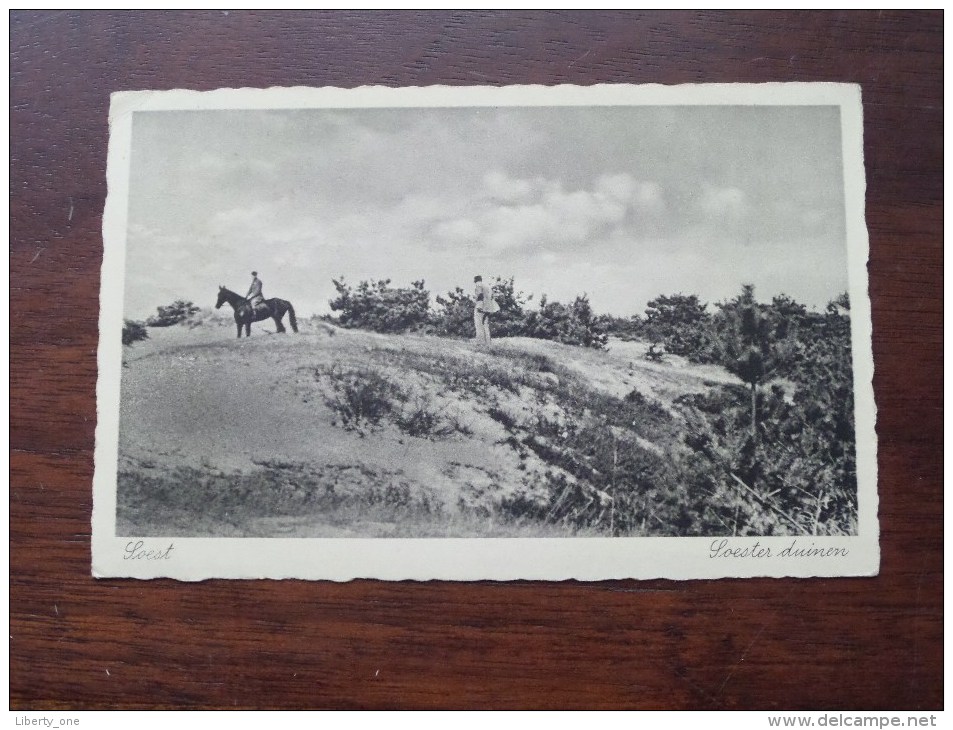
pixel 245 315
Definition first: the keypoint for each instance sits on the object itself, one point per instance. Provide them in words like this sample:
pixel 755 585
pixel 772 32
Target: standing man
pixel 485 306
pixel 254 296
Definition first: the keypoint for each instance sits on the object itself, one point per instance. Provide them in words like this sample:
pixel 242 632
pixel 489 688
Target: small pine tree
pixel 625 328
pixel 454 316
pixel 678 322
pixel 179 311
pixel 133 331
pixel 377 306
pixel 510 321
pixel 587 330
pixel 575 324
pixel 745 346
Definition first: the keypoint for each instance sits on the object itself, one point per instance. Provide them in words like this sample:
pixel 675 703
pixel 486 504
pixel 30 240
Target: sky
pixel 619 203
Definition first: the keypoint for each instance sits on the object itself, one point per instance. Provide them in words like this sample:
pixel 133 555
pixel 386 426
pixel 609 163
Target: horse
pixel 245 314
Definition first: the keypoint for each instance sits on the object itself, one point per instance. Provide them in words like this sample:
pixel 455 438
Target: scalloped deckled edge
pixel 585 559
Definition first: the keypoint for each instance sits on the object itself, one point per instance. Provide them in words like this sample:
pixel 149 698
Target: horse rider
pixel 254 296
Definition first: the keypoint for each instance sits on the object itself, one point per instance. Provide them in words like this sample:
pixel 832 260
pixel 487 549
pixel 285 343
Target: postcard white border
pixel 585 559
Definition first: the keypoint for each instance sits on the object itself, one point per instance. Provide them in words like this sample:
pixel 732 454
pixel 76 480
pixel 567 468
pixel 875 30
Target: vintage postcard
pixel 486 333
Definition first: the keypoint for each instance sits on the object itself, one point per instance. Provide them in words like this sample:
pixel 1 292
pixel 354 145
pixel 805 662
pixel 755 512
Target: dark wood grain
pixel 769 644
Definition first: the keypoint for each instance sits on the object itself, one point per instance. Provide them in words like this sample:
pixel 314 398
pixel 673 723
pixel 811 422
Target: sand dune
pixel 460 430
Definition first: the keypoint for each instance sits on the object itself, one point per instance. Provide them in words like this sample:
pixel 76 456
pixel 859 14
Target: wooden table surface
pixel 872 643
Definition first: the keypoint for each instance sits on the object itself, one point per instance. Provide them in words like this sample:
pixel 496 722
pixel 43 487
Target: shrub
pixel 178 311
pixel 133 331
pixel 510 321
pixel 454 316
pixel 625 328
pixel 773 459
pixel 604 481
pixel 574 324
pixel 362 397
pixel 377 306
pixel 798 478
pixel 419 418
pixel 678 322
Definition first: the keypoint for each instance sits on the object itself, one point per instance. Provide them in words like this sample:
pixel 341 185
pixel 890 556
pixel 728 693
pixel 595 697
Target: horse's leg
pixel 248 328
pixel 277 317
pixel 239 329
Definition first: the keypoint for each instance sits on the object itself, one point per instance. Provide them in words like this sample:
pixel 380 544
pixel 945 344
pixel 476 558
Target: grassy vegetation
pixel 189 499
pixel 597 474
pixel 363 399
pixel 327 500
pixel 586 462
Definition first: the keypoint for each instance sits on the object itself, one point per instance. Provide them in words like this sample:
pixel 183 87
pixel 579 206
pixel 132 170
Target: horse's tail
pixel 291 317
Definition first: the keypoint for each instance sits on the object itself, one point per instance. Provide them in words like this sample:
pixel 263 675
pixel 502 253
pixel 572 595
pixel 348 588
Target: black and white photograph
pixel 477 333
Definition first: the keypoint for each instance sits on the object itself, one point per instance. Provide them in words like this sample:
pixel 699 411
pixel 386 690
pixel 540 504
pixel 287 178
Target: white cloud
pixel 547 215
pixel 500 186
pixel 459 231
pixel 723 201
pixel 648 195
pixel 305 195
pixel 421 208
pixel 620 186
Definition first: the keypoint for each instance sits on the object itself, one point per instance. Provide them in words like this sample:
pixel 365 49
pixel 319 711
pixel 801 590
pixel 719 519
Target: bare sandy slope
pixel 202 398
